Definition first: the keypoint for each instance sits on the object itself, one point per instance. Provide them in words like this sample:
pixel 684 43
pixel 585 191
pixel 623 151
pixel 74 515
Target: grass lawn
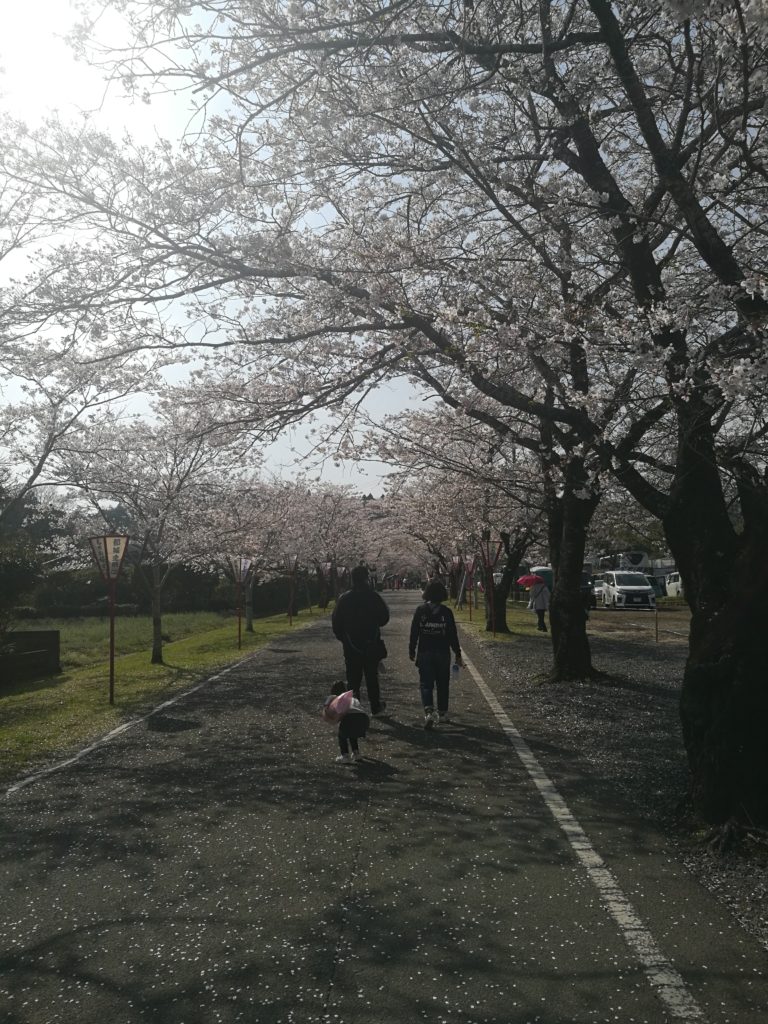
pixel 43 718
pixel 519 619
pixel 86 641
pixel 673 623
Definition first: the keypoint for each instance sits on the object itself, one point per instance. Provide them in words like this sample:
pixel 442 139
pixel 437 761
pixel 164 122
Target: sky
pixel 40 74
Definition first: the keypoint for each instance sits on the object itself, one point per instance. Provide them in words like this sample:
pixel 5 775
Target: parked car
pixel 624 590
pixel 674 585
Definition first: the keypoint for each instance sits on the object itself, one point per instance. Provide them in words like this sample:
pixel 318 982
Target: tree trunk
pixel 454 582
pixel 568 522
pixel 515 546
pixel 495 603
pixel 293 596
pixel 724 699
pixel 157 612
pixel 249 585
pixel 323 590
pixel 153 582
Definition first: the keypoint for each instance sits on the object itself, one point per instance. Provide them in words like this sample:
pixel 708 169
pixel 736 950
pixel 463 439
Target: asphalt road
pixel 213 864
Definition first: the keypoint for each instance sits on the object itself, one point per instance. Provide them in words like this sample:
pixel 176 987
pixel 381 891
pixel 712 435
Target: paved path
pixel 213 864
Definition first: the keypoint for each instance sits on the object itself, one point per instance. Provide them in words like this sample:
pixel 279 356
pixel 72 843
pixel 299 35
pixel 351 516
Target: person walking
pixel 433 636
pixel 356 621
pixel 538 601
pixel 352 721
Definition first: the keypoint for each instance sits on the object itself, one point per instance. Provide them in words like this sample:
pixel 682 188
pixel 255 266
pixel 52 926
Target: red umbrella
pixel 530 580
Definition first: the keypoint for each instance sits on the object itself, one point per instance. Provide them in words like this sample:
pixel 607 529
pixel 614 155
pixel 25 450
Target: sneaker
pixel 343 759
pixel 380 709
pixel 443 717
pixel 355 757
pixel 431 718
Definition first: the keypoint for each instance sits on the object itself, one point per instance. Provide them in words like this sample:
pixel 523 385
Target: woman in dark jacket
pixel 433 636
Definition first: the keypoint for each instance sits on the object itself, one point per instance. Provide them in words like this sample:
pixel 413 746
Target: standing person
pixel 538 601
pixel 433 636
pixel 356 621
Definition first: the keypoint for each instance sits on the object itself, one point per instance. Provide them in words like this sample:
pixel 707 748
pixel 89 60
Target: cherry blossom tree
pixel 57 374
pixel 550 213
pixel 55 396
pixel 467 478
pixel 162 477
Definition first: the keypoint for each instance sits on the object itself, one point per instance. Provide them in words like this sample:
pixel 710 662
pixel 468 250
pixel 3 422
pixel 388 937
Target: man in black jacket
pixel 356 621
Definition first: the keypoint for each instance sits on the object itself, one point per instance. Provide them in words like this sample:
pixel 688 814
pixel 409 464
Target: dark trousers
pixel 347 743
pixel 434 673
pixel 352 727
pixel 540 612
pixel 357 666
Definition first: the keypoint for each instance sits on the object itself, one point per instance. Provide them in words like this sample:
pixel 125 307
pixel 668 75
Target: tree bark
pixel 724 699
pixel 515 546
pixel 154 581
pixel 496 603
pixel 568 521
pixel 157 615
pixel 323 589
pixel 248 590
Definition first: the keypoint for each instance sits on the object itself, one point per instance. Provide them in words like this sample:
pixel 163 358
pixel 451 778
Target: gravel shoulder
pixel 626 726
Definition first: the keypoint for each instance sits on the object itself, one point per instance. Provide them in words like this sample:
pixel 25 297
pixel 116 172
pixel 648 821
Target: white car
pixel 674 585
pixel 624 589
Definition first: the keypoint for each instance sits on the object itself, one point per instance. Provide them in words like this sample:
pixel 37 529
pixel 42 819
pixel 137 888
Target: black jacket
pixel 357 619
pixel 433 628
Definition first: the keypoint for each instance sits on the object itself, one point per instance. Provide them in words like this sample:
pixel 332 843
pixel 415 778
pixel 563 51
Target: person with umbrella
pixel 538 597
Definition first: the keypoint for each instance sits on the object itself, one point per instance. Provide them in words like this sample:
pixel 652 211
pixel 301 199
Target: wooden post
pixel 111 641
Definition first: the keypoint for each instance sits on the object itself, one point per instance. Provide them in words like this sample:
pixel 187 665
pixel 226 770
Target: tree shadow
pixel 163 723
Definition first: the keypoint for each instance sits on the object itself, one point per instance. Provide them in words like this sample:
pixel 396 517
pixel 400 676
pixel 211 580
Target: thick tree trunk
pixel 724 700
pixel 569 520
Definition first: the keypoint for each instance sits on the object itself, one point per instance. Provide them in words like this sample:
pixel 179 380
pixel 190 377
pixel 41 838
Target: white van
pixel 674 585
pixel 624 589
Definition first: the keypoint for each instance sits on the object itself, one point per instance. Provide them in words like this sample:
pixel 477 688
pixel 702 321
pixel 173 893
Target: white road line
pixel 662 975
pixel 36 776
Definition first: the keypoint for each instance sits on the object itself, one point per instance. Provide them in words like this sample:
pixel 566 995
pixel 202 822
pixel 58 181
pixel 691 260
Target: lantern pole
pixel 111 588
pixel 241 566
pixel 108 552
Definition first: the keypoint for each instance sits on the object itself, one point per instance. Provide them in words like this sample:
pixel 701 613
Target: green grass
pixel 86 641
pixel 44 718
pixel 519 619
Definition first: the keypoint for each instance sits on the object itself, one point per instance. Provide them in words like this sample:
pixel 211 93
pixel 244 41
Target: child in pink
pixel 342 707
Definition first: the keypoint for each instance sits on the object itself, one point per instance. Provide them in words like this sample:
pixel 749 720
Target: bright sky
pixel 39 74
